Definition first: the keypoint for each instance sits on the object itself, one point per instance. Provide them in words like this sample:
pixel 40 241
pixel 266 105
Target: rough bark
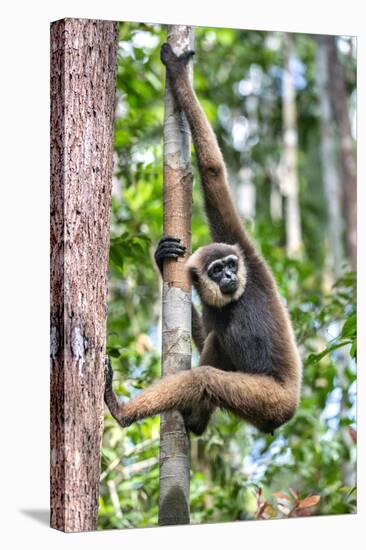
pixel 347 153
pixel 83 64
pixel 329 157
pixel 290 183
pixel 176 332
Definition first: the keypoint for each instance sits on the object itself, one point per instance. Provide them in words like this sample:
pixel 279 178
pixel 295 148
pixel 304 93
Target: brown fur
pixel 199 333
pixel 249 361
pixel 255 398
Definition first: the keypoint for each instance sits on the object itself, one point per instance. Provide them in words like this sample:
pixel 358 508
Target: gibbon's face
pixel 224 272
pixel 218 273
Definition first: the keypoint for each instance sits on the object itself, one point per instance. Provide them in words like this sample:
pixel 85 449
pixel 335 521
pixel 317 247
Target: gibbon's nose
pixel 228 274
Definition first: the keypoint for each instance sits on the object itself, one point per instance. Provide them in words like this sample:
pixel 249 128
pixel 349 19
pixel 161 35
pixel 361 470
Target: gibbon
pixel 249 362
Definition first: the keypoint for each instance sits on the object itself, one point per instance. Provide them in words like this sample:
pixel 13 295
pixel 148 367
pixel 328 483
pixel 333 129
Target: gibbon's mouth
pixel 229 288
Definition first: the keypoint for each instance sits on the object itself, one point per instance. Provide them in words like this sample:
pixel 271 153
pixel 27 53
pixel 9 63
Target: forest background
pixel 284 109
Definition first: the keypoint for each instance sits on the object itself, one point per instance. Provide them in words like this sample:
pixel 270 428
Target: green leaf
pixel 350 327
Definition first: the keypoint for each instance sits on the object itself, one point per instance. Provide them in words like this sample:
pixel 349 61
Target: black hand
pixel 168 247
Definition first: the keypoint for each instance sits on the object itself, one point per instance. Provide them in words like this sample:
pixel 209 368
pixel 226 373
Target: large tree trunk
pixel 329 157
pixel 176 334
pixel 83 65
pixel 347 152
pixel 290 183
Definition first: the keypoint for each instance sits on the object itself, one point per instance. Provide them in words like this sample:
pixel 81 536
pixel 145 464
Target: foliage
pixel 286 505
pixel 307 466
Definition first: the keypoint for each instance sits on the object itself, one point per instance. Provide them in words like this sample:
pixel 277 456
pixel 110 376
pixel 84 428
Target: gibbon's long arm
pixel 225 223
pixel 258 399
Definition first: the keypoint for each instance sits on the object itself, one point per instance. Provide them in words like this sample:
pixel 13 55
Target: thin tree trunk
pixel 347 153
pixel 83 65
pixel 329 157
pixel 276 197
pixel 290 183
pixel 176 332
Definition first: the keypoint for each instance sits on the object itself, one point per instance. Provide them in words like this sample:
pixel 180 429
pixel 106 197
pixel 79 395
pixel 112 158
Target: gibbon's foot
pixel 197 417
pixel 174 62
pixel 193 423
pixel 108 372
pixel 168 247
pixel 115 408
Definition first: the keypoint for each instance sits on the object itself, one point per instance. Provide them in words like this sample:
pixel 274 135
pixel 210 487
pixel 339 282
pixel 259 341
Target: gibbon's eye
pixel 231 264
pixel 216 270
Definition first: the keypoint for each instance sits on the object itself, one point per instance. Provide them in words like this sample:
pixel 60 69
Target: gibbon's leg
pixel 259 399
pixel 162 396
pixel 175 391
pixel 224 220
